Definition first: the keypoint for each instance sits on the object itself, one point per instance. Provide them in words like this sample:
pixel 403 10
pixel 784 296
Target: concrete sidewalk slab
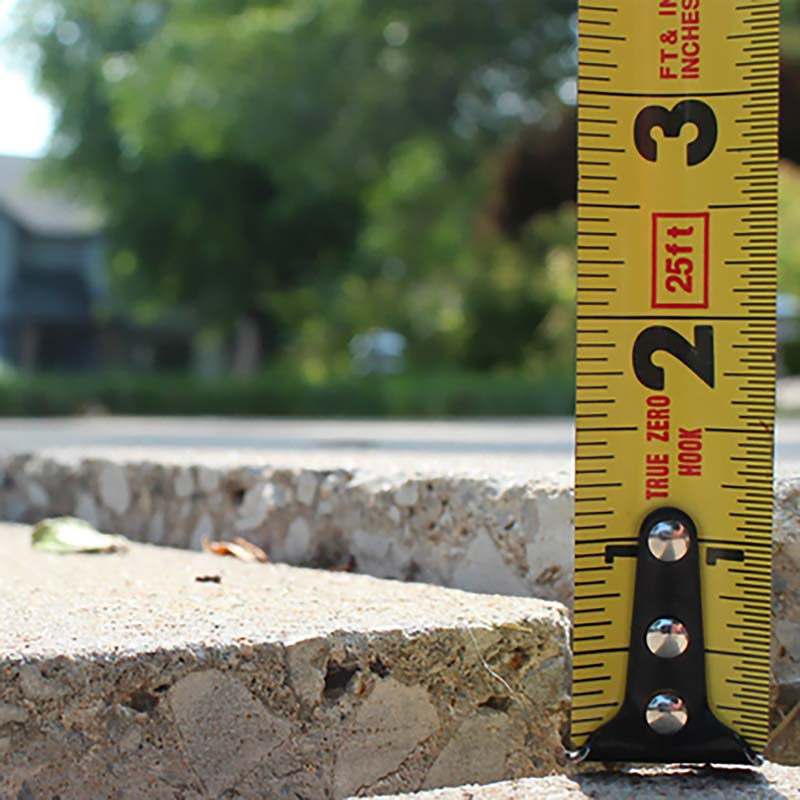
pixel 769 783
pixel 475 529
pixel 472 528
pixel 468 526
pixel 161 673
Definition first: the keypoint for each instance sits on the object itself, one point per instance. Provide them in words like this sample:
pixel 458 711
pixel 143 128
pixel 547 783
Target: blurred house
pixel 52 273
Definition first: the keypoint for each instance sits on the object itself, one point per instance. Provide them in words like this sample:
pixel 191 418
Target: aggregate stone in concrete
pixel 657 783
pixel 160 673
pixel 478 529
pixel 483 531
pixel 495 532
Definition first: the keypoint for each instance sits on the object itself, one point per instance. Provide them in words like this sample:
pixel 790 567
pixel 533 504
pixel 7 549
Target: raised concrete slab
pixel 769 783
pixel 472 530
pixel 161 673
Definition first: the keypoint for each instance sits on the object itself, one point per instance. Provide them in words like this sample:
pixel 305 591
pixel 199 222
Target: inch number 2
pixel 671 122
pixel 698 357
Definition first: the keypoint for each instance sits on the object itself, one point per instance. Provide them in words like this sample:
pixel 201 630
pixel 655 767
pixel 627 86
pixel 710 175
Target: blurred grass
pixel 280 393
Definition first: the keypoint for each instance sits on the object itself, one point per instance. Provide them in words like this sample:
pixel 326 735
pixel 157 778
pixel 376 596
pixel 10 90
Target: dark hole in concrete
pixel 162 688
pixel 142 701
pixel 497 703
pixel 25 792
pixel 379 668
pixel 517 658
pixel 237 495
pixel 336 679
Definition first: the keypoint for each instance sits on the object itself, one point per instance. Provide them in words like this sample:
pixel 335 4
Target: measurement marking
pixel 649 318
pixel 607 596
pixel 733 653
pixel 687 93
pixel 617 429
pixel 602 651
pixel 594 705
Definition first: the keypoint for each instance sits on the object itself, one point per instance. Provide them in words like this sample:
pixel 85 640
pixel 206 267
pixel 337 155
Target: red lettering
pixel 657 475
pixel 691 68
pixel 690 35
pixel 658 418
pixel 657 465
pixel 690 455
pixel 674 249
pixel 655 489
pixel 690 39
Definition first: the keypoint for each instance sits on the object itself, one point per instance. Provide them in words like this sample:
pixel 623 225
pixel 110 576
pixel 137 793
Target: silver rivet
pixel 669 540
pixel 667 638
pixel 666 714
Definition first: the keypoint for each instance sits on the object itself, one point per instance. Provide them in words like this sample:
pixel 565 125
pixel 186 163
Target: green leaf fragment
pixel 72 535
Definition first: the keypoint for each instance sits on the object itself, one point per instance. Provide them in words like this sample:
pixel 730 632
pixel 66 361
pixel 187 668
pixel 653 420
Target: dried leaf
pixel 238 548
pixel 72 535
pixel 251 548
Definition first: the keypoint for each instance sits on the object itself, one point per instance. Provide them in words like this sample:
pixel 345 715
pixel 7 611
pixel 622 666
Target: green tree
pixel 281 159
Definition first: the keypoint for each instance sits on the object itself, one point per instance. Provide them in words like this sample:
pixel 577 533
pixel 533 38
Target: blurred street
pixel 532 445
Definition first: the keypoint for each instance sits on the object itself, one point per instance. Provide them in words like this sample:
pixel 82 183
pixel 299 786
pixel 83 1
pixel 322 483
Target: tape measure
pixel 677 247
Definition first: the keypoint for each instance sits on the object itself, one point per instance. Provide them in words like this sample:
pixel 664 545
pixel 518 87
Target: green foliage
pixel 285 393
pixel 789 230
pixel 790 34
pixel 321 166
pixel 789 254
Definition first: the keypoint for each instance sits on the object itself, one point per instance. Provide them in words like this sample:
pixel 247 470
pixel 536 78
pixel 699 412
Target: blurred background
pixel 306 207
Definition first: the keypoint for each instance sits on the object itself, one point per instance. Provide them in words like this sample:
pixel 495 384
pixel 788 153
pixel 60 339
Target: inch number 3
pixel 671 122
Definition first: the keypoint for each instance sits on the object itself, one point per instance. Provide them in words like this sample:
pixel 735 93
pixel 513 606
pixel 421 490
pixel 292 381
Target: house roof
pixel 39 208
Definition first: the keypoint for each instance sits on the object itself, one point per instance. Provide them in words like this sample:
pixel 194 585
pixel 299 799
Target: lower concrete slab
pixel 769 783
pixel 160 673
